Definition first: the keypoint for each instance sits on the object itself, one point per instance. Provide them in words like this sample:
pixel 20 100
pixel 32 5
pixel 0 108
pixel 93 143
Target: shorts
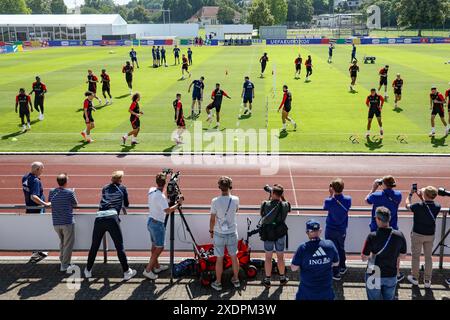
pixel 287 108
pixel 230 241
pixel 134 59
pixel 214 106
pixel 181 123
pixel 136 123
pixel 197 96
pixel 93 89
pixel 398 92
pixel 278 245
pixel 374 111
pixel 24 112
pixel 91 119
pixel 157 232
pixel 383 81
pixel 298 67
pixel 184 67
pixel 106 89
pixel 353 75
pixel 129 81
pixel 39 100
pixel 248 99
pixel 438 110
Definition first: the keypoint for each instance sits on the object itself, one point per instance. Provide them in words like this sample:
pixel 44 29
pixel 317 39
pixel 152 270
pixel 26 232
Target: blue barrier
pixel 295 41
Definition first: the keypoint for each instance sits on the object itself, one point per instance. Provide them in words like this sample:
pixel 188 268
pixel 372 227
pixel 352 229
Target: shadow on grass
pixel 31 123
pixel 213 129
pixel 373 143
pixel 245 116
pixel 439 142
pixel 79 146
pixel 283 134
pixel 122 96
pixel 12 135
pixel 398 110
pixel 170 149
pixel 353 92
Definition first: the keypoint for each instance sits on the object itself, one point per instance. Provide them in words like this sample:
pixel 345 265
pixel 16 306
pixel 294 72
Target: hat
pixel 312 225
pixel 389 181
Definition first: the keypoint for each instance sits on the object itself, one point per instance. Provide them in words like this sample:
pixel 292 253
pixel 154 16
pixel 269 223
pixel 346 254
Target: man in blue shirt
pixel 133 57
pixel 330 53
pixel 248 93
pixel 337 206
pixel 197 95
pixel 158 57
pixel 189 53
pixel 154 56
pixel 353 58
pixel 163 56
pixel 389 198
pixel 33 192
pixel 176 55
pixel 316 259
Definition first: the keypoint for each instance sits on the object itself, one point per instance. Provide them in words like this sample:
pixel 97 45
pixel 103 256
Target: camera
pixel 379 181
pixel 443 192
pixel 268 189
pixel 173 190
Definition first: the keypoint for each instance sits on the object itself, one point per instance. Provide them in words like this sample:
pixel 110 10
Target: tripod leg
pixel 172 244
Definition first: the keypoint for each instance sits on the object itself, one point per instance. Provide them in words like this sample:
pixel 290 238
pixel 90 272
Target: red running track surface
pixel 305 178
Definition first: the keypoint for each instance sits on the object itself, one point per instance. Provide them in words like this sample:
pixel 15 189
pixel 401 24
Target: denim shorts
pixel 157 232
pixel 278 245
pixel 225 240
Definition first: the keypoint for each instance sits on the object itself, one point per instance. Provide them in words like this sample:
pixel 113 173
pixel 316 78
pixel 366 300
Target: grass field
pixel 326 112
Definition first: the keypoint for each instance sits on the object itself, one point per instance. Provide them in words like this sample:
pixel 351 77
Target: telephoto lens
pixel 268 188
pixel 443 192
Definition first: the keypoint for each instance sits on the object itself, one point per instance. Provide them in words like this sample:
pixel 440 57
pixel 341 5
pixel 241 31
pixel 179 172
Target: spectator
pixel 114 200
pixel 158 209
pixel 273 232
pixel 422 234
pixel 33 192
pixel 316 259
pixel 383 249
pixel 337 206
pixel 63 201
pixel 223 229
pixel 388 198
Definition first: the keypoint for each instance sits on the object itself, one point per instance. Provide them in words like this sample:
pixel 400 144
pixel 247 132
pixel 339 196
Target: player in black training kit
pixel 128 70
pixel 354 69
pixel 106 86
pixel 298 66
pixel 248 94
pixel 375 103
pixel 398 86
pixel 263 60
pixel 23 101
pixel 39 90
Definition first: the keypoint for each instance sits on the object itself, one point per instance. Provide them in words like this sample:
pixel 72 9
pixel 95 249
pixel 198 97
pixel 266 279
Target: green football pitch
pixel 330 118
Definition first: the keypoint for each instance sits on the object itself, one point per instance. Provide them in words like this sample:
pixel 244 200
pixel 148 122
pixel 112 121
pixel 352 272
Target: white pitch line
pixel 292 182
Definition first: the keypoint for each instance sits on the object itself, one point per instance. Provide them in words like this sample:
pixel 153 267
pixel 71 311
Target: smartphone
pixel 414 187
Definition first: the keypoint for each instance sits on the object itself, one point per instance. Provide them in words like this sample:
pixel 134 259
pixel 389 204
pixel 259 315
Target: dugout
pixel 230 31
pixel 273 32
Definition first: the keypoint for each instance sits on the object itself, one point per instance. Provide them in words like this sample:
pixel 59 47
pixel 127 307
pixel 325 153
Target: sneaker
pixel 67 268
pixel 42 254
pixel 295 126
pixel 124 139
pixel 283 280
pixel 161 269
pixel 24 129
pixel 343 271
pixel 246 111
pixel 83 134
pixel 266 283
pixel 431 134
pixel 209 119
pixel 42 117
pixel 90 140
pixel 216 286
pixel 150 275
pixel 400 277
pixel 367 135
pixel 446 131
pixel 236 283
pixel 134 142
pixel 129 274
pixel 29 127
pixel 427 284
pixel 337 277
pixel 447 281
pixel 87 273
pixel 413 280
pixel 100 102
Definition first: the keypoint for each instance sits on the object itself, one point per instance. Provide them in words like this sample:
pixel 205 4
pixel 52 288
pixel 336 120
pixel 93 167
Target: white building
pixel 61 27
pixel 336 20
pixel 352 4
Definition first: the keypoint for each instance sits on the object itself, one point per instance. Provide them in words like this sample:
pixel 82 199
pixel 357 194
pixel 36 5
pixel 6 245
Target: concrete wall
pixel 182 30
pixel 27 232
pixel 221 30
pixel 96 32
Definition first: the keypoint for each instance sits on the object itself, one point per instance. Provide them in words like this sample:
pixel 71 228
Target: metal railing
pixel 298 209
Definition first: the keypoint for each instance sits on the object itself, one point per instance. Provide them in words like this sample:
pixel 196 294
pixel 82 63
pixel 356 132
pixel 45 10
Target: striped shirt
pixel 63 201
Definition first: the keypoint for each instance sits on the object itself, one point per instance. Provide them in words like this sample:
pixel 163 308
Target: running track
pixel 305 178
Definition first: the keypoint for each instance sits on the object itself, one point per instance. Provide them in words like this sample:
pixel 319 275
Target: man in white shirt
pixel 223 229
pixel 158 209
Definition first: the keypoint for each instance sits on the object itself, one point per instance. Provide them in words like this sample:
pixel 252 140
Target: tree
pixel 421 13
pixel 388 11
pixel 14 7
pixel 89 10
pixel 321 6
pixel 140 14
pixel 225 15
pixel 58 7
pixel 300 11
pixel 39 6
pixel 279 10
pixel 259 14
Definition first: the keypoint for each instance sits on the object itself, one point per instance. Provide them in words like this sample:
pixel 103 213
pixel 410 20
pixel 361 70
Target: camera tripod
pixel 170 218
pixel 441 245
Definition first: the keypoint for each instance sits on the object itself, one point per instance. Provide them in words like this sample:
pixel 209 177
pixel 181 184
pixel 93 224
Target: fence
pixel 20 232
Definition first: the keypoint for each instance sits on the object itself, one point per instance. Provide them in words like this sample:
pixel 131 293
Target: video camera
pixel 173 190
pixel 443 192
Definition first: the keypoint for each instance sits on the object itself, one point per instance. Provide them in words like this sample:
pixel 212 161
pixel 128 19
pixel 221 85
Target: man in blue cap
pixel 315 259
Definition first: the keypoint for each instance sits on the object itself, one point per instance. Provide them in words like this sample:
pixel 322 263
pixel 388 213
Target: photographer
pixel 114 200
pixel 274 231
pixel 423 231
pixel 337 206
pixel 158 209
pixel 223 229
pixel 388 198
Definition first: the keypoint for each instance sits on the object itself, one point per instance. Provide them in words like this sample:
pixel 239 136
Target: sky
pixel 71 3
